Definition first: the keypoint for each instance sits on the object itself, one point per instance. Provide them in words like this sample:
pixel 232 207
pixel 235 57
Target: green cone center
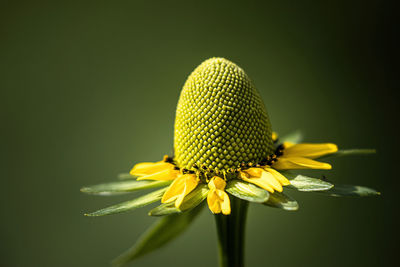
pixel 221 121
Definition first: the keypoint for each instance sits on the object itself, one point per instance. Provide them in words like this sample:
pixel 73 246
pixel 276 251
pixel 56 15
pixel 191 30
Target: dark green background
pixel 90 88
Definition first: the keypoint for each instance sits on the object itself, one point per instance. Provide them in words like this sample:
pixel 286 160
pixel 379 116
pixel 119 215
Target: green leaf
pixel 159 234
pixel 131 204
pixel 350 152
pixel 342 190
pixel 247 191
pixel 282 201
pixel 193 199
pixel 307 184
pixel 294 137
pixel 120 187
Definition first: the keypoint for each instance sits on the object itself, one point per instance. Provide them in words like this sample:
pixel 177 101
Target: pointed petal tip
pixel 326 166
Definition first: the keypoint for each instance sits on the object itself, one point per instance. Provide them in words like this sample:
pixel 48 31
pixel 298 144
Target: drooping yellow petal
pixel 174 189
pixel 213 202
pixel 274 183
pixel 179 188
pixel 217 199
pixel 282 179
pixel 259 181
pixel 146 168
pixel 297 163
pixel 191 181
pixel 311 151
pixel 165 175
pixel 217 183
pixel 225 204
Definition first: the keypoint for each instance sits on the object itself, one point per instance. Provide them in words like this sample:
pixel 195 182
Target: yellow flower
pixel 225 151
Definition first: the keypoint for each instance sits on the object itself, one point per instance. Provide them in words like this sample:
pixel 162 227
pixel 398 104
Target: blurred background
pixel 89 88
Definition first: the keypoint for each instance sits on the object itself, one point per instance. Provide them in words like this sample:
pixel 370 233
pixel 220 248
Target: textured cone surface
pixel 220 120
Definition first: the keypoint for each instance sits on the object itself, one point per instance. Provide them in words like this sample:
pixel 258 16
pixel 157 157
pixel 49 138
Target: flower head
pixel 222 133
pixel 224 149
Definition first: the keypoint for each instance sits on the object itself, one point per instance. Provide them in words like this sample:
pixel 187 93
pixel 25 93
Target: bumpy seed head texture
pixel 221 121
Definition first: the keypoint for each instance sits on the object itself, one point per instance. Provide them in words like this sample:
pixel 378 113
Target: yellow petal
pixel 269 178
pixel 226 204
pixel 174 190
pixel 213 202
pixel 179 188
pixel 218 201
pixel 254 172
pixel 259 181
pixel 282 179
pixel 217 183
pixel 311 151
pixel 165 175
pixel 146 168
pixel 297 163
pixel 190 183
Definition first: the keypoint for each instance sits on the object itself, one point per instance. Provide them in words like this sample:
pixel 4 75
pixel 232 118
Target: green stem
pixel 230 230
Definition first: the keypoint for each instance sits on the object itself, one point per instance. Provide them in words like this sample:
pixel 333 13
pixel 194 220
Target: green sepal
pixel 131 204
pixel 120 187
pixel 306 184
pixel 294 137
pixel 343 190
pixel 193 199
pixel 159 234
pixel 246 191
pixel 350 152
pixel 282 201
